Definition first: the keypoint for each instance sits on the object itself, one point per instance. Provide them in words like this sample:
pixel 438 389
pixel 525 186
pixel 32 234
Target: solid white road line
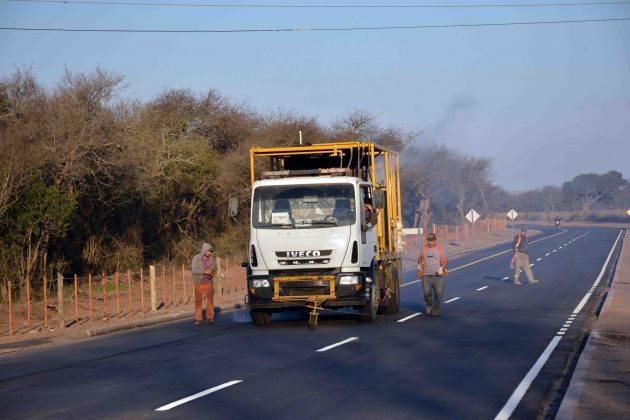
pixel 409 317
pixel 484 287
pixel 197 395
pixel 332 346
pixel 452 300
pixel 522 388
pixel 580 305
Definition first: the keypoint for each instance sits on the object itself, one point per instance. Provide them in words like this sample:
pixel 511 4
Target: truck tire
pixel 261 317
pixel 369 311
pixel 393 306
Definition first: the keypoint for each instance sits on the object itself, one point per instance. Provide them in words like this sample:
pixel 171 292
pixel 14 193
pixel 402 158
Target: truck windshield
pixel 303 206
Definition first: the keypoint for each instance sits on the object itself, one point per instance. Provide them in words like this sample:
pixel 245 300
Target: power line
pixel 366 28
pixel 322 6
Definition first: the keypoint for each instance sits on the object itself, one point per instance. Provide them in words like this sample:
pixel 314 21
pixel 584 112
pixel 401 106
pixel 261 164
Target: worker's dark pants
pixel 432 287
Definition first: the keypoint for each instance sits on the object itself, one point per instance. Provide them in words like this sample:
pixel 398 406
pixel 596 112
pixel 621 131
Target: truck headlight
pixel 260 283
pixel 346 280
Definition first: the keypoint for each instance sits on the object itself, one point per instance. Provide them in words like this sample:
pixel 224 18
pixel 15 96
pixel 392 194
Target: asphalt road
pixel 466 363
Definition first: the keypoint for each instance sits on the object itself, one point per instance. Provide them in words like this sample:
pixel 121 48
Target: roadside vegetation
pixel 91 182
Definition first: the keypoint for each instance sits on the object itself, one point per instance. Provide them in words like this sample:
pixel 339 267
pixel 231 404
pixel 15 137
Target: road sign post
pixel 512 214
pixel 472 217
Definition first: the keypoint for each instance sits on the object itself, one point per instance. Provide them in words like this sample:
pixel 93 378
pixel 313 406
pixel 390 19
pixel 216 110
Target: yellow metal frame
pixel 310 298
pixel 389 226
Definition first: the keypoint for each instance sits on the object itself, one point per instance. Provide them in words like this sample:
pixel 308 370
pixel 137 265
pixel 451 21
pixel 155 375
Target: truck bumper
pixel 284 293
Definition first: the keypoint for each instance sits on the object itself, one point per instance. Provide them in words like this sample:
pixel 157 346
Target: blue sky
pixel 545 102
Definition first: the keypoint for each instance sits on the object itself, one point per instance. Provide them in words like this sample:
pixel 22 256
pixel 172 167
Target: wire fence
pixel 64 302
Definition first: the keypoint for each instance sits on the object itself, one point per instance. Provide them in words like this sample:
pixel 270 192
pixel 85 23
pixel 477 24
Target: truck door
pixel 368 228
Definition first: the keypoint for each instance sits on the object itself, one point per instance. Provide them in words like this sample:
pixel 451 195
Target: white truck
pixel 326 230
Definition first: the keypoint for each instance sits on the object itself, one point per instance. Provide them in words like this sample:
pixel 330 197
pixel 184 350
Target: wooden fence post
pixel 163 288
pixel 128 291
pixel 45 301
pixel 142 289
pixel 90 293
pixel 152 286
pixel 227 273
pixel 103 281
pixel 76 300
pixel 62 321
pixel 184 296
pixel 28 302
pixel 10 308
pixel 174 286
pixel 117 294
pixel 235 268
pixel 219 275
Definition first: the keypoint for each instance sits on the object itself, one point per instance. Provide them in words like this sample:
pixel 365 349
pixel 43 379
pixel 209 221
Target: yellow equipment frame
pixel 389 226
pixel 314 302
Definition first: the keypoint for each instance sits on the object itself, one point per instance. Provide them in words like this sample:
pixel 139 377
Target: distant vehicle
pixel 326 230
pixel 557 224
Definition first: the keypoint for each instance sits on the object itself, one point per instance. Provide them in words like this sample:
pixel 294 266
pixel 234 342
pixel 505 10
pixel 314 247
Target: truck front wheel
pixel 368 312
pixel 393 305
pixel 261 317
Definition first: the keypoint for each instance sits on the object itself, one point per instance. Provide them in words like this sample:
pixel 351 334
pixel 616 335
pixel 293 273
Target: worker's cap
pixel 431 237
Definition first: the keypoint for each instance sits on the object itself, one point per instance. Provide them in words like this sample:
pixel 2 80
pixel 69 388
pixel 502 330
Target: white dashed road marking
pixel 332 346
pixel 452 300
pixel 484 287
pixel 539 259
pixel 197 395
pixel 409 317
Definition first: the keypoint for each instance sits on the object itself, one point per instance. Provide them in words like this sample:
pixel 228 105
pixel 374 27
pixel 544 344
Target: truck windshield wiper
pixel 324 222
pixel 277 225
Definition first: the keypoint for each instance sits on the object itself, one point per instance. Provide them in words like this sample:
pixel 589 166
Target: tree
pixel 41 212
pixel 424 176
pixel 586 189
pixel 553 198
